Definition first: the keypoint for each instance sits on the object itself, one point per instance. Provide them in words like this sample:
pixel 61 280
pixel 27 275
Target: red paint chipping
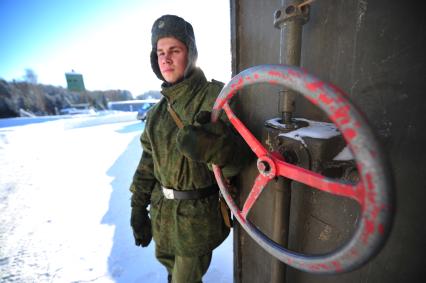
pixel 374 209
pixel 337 266
pixel 237 85
pixel 368 230
pixel 256 76
pixel 324 266
pixel 229 96
pixel 349 133
pixel 320 266
pixel 354 252
pixel 273 73
pixel 370 183
pixel 314 86
pixel 341 115
pixel 294 73
pixel 272 82
pixel 325 98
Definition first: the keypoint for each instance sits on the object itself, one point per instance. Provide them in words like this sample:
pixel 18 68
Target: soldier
pixel 179 145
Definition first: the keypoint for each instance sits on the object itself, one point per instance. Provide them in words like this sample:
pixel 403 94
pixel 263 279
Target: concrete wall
pixel 374 51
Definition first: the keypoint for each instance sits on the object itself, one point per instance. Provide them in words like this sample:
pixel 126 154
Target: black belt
pixel 193 194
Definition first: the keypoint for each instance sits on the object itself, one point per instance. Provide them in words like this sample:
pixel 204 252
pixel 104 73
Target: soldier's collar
pixel 189 86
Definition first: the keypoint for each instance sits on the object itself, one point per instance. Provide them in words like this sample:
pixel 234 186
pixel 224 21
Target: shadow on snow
pixel 127 262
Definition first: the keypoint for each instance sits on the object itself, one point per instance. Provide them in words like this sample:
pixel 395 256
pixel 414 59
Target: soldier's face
pixel 172 58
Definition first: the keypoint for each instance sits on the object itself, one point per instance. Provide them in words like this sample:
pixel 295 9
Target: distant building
pixel 75 81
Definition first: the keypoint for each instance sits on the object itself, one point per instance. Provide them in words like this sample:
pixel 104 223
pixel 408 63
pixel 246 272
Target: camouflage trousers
pixel 184 269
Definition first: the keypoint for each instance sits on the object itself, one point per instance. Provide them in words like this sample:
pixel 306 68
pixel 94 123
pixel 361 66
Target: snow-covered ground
pixel 64 203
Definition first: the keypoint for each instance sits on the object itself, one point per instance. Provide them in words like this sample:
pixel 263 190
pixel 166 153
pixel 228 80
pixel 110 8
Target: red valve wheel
pixel 373 192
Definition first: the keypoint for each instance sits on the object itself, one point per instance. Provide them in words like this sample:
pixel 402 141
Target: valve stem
pixel 290 20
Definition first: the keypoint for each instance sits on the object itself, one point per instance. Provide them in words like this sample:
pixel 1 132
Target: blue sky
pixel 108 41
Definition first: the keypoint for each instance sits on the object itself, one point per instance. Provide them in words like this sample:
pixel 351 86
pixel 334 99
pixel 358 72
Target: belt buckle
pixel 168 193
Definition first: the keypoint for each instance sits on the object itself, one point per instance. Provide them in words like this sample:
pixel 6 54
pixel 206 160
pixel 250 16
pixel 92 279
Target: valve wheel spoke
pixel 319 181
pixel 259 185
pixel 251 140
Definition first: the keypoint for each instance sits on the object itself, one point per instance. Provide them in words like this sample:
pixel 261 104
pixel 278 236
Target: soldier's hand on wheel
pixel 206 141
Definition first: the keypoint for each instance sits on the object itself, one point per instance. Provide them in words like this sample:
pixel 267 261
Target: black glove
pixel 206 142
pixel 141 225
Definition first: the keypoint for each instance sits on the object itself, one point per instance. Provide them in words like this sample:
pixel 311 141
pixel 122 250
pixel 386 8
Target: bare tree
pixel 30 76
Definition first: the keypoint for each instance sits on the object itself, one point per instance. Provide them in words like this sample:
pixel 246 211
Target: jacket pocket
pixel 199 226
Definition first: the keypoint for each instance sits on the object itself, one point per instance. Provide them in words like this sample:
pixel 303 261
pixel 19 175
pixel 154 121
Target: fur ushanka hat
pixel 173 26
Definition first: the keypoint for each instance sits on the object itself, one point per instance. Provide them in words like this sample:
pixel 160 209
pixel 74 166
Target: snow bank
pixel 106 117
pixel 74 121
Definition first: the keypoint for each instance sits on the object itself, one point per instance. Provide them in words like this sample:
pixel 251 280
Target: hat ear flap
pixel 154 64
pixel 192 60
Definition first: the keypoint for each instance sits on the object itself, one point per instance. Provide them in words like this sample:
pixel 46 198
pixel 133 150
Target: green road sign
pixel 75 81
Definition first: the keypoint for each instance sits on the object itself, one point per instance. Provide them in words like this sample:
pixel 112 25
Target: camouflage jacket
pixel 181 227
